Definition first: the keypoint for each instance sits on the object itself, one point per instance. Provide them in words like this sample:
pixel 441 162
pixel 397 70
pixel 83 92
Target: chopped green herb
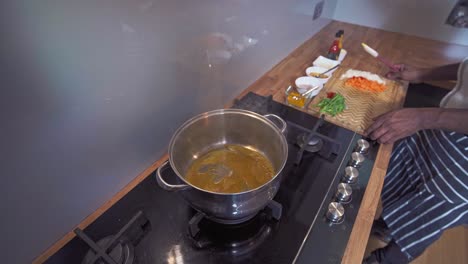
pixel 332 106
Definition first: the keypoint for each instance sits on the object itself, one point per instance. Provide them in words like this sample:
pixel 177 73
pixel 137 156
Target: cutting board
pixel 362 106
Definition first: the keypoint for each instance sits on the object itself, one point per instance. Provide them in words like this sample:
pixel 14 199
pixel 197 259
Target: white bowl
pixel 306 83
pixel 318 70
pixel 325 63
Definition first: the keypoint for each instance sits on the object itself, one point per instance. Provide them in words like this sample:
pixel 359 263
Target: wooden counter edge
pixel 357 243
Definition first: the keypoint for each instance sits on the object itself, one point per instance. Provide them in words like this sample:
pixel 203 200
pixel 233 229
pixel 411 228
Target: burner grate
pixel 314 145
pixel 117 249
pixel 307 139
pixel 205 232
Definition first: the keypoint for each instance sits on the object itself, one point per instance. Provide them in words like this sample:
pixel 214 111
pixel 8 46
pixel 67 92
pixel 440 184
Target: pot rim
pixel 222 111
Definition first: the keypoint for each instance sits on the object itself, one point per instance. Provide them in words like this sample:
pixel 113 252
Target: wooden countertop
pixel 396 47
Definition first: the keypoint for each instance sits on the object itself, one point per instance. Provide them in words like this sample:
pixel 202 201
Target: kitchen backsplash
pixel 92 91
pixel 425 19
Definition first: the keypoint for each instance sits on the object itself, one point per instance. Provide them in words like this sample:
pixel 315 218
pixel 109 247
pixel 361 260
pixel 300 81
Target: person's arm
pixel 398 124
pixel 415 75
pixel 450 119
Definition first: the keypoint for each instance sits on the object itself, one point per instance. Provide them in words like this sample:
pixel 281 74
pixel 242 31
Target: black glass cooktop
pixel 275 235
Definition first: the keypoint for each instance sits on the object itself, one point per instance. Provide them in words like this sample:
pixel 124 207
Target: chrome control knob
pixel 343 193
pixel 351 175
pixel 356 159
pixel 335 212
pixel 362 146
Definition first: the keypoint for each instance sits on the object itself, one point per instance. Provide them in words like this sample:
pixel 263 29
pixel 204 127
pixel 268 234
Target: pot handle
pixel 283 123
pixel 166 186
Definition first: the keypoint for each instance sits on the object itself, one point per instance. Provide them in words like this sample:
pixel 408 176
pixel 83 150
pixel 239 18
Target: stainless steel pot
pixel 211 130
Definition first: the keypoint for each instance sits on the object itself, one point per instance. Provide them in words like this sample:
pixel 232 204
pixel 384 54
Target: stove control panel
pixel 349 181
pixel 341 205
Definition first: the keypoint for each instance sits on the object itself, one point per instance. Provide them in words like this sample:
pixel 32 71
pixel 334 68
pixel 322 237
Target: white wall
pixel 91 92
pixel 424 18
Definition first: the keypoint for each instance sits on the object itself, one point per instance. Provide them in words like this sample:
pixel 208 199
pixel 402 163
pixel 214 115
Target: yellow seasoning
pixel 296 99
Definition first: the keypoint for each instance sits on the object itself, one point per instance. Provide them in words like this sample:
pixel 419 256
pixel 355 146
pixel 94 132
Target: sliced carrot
pixel 364 84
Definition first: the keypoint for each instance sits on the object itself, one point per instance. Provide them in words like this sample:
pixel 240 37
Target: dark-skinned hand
pixel 406 73
pixel 398 124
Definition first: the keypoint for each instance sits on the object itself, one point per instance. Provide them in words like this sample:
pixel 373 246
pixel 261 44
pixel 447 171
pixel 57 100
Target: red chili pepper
pixel 330 95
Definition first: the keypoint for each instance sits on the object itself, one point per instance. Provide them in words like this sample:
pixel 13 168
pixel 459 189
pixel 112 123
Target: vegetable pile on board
pixel 365 84
pixel 333 104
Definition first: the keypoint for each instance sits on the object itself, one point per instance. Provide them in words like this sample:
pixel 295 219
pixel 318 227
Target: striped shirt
pixel 426 189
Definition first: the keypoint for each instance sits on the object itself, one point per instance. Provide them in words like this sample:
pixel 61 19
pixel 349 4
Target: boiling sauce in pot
pixel 230 169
